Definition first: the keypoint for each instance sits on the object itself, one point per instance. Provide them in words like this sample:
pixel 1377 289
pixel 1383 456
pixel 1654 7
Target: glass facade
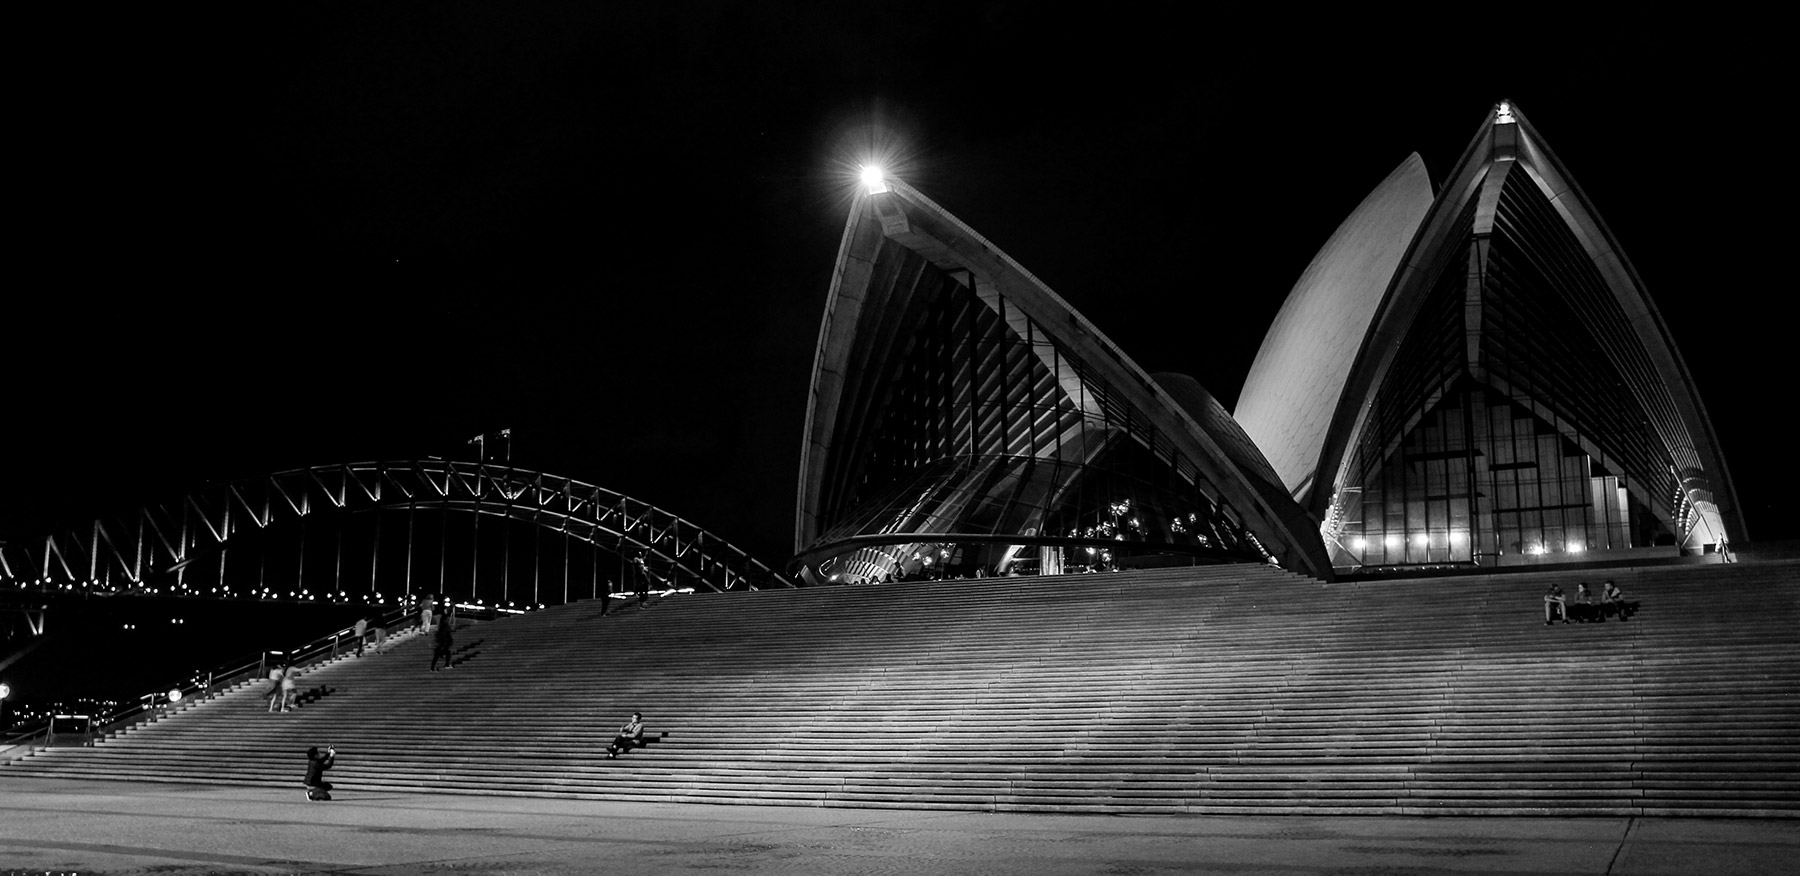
pixel 1521 419
pixel 1481 478
pixel 972 443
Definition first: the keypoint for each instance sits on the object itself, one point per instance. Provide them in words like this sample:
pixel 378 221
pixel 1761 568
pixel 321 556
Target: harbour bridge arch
pixel 318 533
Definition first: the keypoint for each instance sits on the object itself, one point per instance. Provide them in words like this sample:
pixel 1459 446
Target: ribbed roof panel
pixel 1293 386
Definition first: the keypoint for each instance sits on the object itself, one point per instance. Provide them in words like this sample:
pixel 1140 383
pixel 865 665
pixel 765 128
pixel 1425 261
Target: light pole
pixel 5 691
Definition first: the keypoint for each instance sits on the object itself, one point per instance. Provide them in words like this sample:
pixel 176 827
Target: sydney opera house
pixel 1468 377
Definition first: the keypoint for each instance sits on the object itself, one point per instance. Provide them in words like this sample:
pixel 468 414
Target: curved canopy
pixel 961 412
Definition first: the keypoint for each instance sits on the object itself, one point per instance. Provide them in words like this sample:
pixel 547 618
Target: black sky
pixel 337 232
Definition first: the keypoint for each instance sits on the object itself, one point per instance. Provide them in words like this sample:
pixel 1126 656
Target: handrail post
pixel 334 643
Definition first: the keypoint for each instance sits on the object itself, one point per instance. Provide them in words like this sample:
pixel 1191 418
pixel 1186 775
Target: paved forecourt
pixel 65 826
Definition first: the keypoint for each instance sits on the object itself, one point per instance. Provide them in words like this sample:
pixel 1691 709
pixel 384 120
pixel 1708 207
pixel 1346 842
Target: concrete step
pixel 1218 690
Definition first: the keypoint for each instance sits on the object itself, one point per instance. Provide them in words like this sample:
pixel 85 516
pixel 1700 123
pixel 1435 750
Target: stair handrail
pixel 205 685
pixel 31 731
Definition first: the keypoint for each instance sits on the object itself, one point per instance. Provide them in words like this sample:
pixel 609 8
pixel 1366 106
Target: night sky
pixel 339 232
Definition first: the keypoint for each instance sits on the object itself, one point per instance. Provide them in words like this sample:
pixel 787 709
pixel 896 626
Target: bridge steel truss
pixel 174 541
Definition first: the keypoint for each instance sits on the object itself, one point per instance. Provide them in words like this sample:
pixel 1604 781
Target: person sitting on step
pixel 1612 600
pixel 1555 603
pixel 631 735
pixel 1584 604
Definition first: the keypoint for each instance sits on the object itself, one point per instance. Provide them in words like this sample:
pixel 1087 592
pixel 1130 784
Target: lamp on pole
pixel 5 691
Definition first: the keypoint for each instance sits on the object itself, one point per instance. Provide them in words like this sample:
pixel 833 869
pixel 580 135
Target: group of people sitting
pixel 1582 608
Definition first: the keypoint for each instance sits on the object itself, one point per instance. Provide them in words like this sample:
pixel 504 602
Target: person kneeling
pixel 316 765
pixel 631 735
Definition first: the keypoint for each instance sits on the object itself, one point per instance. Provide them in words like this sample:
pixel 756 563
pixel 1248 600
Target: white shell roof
pixel 1293 388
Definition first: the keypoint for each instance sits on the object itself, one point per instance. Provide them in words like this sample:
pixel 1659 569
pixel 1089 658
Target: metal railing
pixel 202 686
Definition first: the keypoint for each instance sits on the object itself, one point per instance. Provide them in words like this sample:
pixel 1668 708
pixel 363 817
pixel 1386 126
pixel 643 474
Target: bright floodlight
pixel 174 695
pixel 873 180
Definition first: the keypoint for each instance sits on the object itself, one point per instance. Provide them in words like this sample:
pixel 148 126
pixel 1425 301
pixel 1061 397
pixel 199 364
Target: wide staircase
pixel 1233 689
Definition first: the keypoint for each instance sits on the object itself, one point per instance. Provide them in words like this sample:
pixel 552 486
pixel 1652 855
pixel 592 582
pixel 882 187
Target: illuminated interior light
pixel 1457 536
pixel 1420 539
pixel 1359 544
pixel 1394 541
pixel 873 179
pixel 1576 548
pixel 1503 115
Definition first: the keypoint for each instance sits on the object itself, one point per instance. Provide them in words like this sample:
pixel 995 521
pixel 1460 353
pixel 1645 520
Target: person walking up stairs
pixel 441 645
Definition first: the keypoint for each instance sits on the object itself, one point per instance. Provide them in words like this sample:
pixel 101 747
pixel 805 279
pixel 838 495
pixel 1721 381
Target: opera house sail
pixel 964 421
pixel 1502 390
